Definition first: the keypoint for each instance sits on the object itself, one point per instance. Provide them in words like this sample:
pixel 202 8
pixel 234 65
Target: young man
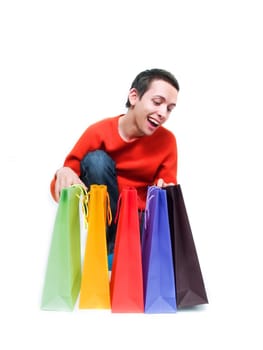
pixel 133 149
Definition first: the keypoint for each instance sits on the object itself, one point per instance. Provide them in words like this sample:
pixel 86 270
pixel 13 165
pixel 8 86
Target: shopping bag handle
pixel 150 196
pixel 108 209
pixel 84 200
pixel 118 208
pixel 119 202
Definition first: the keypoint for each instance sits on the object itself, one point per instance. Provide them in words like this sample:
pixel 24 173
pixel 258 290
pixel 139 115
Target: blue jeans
pixel 97 167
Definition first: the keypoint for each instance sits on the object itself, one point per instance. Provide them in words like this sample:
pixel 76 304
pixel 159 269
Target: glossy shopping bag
pixel 190 288
pixel 126 284
pixel 157 260
pixel 63 272
pixel 95 289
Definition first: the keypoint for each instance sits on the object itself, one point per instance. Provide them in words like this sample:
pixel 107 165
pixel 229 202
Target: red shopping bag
pixel 126 284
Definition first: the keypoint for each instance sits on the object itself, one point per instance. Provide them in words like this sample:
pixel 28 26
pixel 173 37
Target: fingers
pixel 57 192
pixel 65 177
pixel 162 184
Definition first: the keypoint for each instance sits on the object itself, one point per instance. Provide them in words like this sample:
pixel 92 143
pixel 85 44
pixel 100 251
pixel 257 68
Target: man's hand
pixel 65 177
pixel 162 184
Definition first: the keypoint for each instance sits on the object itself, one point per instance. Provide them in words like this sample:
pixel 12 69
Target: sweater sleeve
pixel 90 140
pixel 168 167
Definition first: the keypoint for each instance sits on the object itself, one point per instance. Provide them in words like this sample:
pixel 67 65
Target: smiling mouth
pixel 153 122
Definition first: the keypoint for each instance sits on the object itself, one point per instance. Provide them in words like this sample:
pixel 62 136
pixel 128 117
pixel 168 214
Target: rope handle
pixel 84 198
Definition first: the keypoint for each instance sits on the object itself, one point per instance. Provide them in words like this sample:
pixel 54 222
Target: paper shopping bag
pixel 95 289
pixel 63 272
pixel 190 288
pixel 126 284
pixel 157 260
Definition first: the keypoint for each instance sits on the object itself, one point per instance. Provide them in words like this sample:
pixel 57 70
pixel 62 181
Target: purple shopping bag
pixel 157 260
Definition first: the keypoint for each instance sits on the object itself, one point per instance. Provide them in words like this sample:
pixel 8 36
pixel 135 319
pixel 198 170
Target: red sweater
pixel 138 164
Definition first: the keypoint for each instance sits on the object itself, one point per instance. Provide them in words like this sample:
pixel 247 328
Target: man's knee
pixel 97 165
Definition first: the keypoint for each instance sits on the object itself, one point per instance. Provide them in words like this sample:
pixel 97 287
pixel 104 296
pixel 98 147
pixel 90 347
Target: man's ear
pixel 133 96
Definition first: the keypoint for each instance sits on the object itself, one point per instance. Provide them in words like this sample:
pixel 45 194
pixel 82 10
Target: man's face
pixel 155 106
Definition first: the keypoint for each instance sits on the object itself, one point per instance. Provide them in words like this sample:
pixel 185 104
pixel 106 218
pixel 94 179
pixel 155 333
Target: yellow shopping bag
pixel 95 290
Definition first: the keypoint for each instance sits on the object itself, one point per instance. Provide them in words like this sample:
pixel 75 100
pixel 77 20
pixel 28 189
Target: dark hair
pixel 143 80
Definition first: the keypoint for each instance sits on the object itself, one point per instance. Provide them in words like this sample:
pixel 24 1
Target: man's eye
pixel 157 103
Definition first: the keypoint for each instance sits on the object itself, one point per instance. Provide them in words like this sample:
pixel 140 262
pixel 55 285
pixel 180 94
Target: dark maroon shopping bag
pixel 190 288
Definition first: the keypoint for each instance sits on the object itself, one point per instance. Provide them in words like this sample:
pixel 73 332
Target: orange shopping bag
pixel 95 290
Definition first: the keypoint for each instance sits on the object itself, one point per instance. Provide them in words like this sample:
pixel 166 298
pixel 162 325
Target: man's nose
pixel 162 112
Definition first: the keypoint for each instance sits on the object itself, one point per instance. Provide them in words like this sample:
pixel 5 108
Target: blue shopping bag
pixel 157 260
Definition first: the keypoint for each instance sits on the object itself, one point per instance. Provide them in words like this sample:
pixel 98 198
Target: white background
pixel 65 64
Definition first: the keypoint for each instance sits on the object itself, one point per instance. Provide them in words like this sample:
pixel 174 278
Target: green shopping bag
pixel 63 273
